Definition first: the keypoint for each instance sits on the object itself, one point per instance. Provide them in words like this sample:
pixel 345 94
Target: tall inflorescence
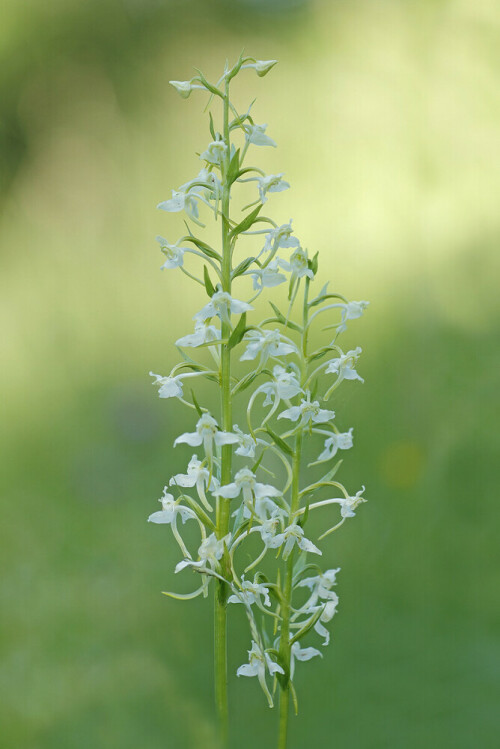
pixel 247 490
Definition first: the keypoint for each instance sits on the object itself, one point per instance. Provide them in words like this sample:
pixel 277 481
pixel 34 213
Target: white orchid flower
pixel 308 413
pixel 171 387
pixel 267 343
pixel 269 527
pixel 215 152
pixel 320 586
pixel 210 553
pixel 202 334
pixel 301 654
pixel 298 264
pixel 187 196
pixel 245 483
pixel 256 134
pixel 222 304
pixel 180 201
pixel 280 237
pixel 271 183
pixel 173 253
pixel 258 663
pixel 284 386
pixel 329 611
pixel 206 184
pixel 199 476
pixel 341 441
pixel 353 310
pixel 170 510
pixel 292 535
pixel 246 442
pixel 207 433
pixel 343 365
pixel 263 509
pixel 250 593
pixel 267 277
pixel 168 515
pixel 349 504
pixel 350 311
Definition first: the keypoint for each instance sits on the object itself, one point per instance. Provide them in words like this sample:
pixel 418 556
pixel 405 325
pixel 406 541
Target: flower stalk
pixel 223 505
pixel 283 394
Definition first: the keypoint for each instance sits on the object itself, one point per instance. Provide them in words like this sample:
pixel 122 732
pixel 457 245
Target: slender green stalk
pixel 284 710
pixel 223 511
pixel 287 596
pixel 284 648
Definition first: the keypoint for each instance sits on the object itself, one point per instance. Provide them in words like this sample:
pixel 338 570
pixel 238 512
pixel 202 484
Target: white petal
pixel 292 413
pixel 182 479
pixel 182 565
pixel 284 349
pixel 225 438
pixel 162 516
pixel 189 438
pixel 275 541
pixel 175 204
pixel 323 415
pixel 322 632
pixel 266 490
pixel 230 491
pixel 238 307
pixel 186 513
pixel 248 670
pixel 305 654
pixel 307 545
pixel 274 668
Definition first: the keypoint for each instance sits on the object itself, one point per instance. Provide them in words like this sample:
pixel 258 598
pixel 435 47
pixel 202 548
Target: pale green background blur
pixel 387 116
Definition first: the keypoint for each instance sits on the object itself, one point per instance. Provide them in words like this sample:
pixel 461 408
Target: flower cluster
pixel 241 502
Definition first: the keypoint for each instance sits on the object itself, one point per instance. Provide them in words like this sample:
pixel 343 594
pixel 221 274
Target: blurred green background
pixel 387 116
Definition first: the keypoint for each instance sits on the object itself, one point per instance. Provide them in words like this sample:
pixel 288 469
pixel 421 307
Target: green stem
pixel 223 510
pixel 284 647
pixel 284 710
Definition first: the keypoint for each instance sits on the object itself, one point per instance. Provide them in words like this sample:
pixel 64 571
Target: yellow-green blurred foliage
pixel 387 116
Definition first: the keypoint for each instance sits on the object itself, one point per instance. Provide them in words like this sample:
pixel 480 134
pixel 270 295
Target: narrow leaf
pixel 283 321
pixel 284 447
pixel 279 315
pixel 212 129
pixel 332 472
pixel 201 515
pixel 303 518
pixel 245 382
pixel 257 462
pixel 204 247
pixel 246 223
pixel 313 264
pixel 234 167
pixel 307 627
pixel 196 404
pixel 242 267
pixel 208 283
pixel 238 332
pixel 208 85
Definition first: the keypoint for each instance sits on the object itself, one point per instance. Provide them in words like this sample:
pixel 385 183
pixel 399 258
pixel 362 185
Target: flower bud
pixel 183 88
pixel 262 67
